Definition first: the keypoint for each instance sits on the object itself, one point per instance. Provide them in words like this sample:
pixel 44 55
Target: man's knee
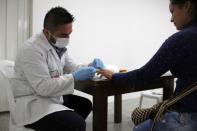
pixel 87 108
pixel 88 105
pixel 80 125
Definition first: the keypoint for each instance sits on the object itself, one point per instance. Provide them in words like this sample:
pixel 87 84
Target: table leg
pixel 99 113
pixel 117 108
pixel 168 88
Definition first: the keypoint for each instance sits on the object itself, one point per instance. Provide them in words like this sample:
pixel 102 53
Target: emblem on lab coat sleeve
pixel 54 74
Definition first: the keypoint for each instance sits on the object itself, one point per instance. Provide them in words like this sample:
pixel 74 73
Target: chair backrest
pixel 7 67
pixel 6 73
pixel 6 93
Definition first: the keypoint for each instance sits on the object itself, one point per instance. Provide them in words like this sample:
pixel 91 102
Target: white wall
pixel 122 32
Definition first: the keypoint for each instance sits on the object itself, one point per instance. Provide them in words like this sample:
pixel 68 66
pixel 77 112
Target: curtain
pixel 15 26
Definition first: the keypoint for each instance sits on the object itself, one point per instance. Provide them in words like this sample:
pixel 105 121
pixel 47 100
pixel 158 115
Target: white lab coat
pixel 36 86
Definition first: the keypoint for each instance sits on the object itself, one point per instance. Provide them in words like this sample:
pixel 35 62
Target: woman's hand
pixel 103 72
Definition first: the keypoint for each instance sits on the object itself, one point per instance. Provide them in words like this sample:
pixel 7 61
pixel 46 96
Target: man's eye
pixel 62 36
pixel 65 35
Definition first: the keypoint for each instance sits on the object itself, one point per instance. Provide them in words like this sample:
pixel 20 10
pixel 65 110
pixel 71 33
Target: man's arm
pixel 37 73
pixel 71 65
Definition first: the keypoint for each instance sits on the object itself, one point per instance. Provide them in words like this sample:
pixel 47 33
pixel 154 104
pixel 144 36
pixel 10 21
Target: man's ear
pixel 46 33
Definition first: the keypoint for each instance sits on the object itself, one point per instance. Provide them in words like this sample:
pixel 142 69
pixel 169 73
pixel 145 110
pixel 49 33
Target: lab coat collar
pixel 48 46
pixel 46 43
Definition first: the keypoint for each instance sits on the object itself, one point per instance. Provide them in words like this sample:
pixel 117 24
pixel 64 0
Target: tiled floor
pixel 125 125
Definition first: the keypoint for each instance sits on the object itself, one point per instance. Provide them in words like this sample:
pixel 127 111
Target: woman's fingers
pixel 106 73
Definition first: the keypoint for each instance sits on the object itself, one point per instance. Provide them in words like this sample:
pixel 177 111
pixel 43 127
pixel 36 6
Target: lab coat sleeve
pixel 71 65
pixel 37 73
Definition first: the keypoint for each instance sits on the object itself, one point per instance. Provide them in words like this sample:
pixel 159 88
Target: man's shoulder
pixel 35 42
pixel 30 49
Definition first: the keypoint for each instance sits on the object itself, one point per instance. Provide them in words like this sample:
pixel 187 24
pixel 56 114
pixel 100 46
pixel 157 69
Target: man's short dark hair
pixel 55 17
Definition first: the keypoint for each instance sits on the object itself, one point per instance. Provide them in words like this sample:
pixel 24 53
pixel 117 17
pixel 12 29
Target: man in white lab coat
pixel 44 79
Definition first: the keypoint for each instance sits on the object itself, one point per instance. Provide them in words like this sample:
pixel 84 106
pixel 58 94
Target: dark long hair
pixel 193 9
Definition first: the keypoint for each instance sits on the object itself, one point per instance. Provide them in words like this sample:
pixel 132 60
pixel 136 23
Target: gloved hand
pixel 84 73
pixel 97 63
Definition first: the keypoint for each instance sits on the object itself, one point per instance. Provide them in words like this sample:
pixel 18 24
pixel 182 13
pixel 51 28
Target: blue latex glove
pixel 97 63
pixel 84 73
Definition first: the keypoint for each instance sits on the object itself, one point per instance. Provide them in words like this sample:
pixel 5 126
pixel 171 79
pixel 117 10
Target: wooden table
pixel 101 89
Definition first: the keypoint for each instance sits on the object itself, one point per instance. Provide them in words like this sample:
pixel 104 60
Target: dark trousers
pixel 66 120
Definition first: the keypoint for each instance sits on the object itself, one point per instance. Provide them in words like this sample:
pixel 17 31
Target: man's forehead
pixel 64 29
